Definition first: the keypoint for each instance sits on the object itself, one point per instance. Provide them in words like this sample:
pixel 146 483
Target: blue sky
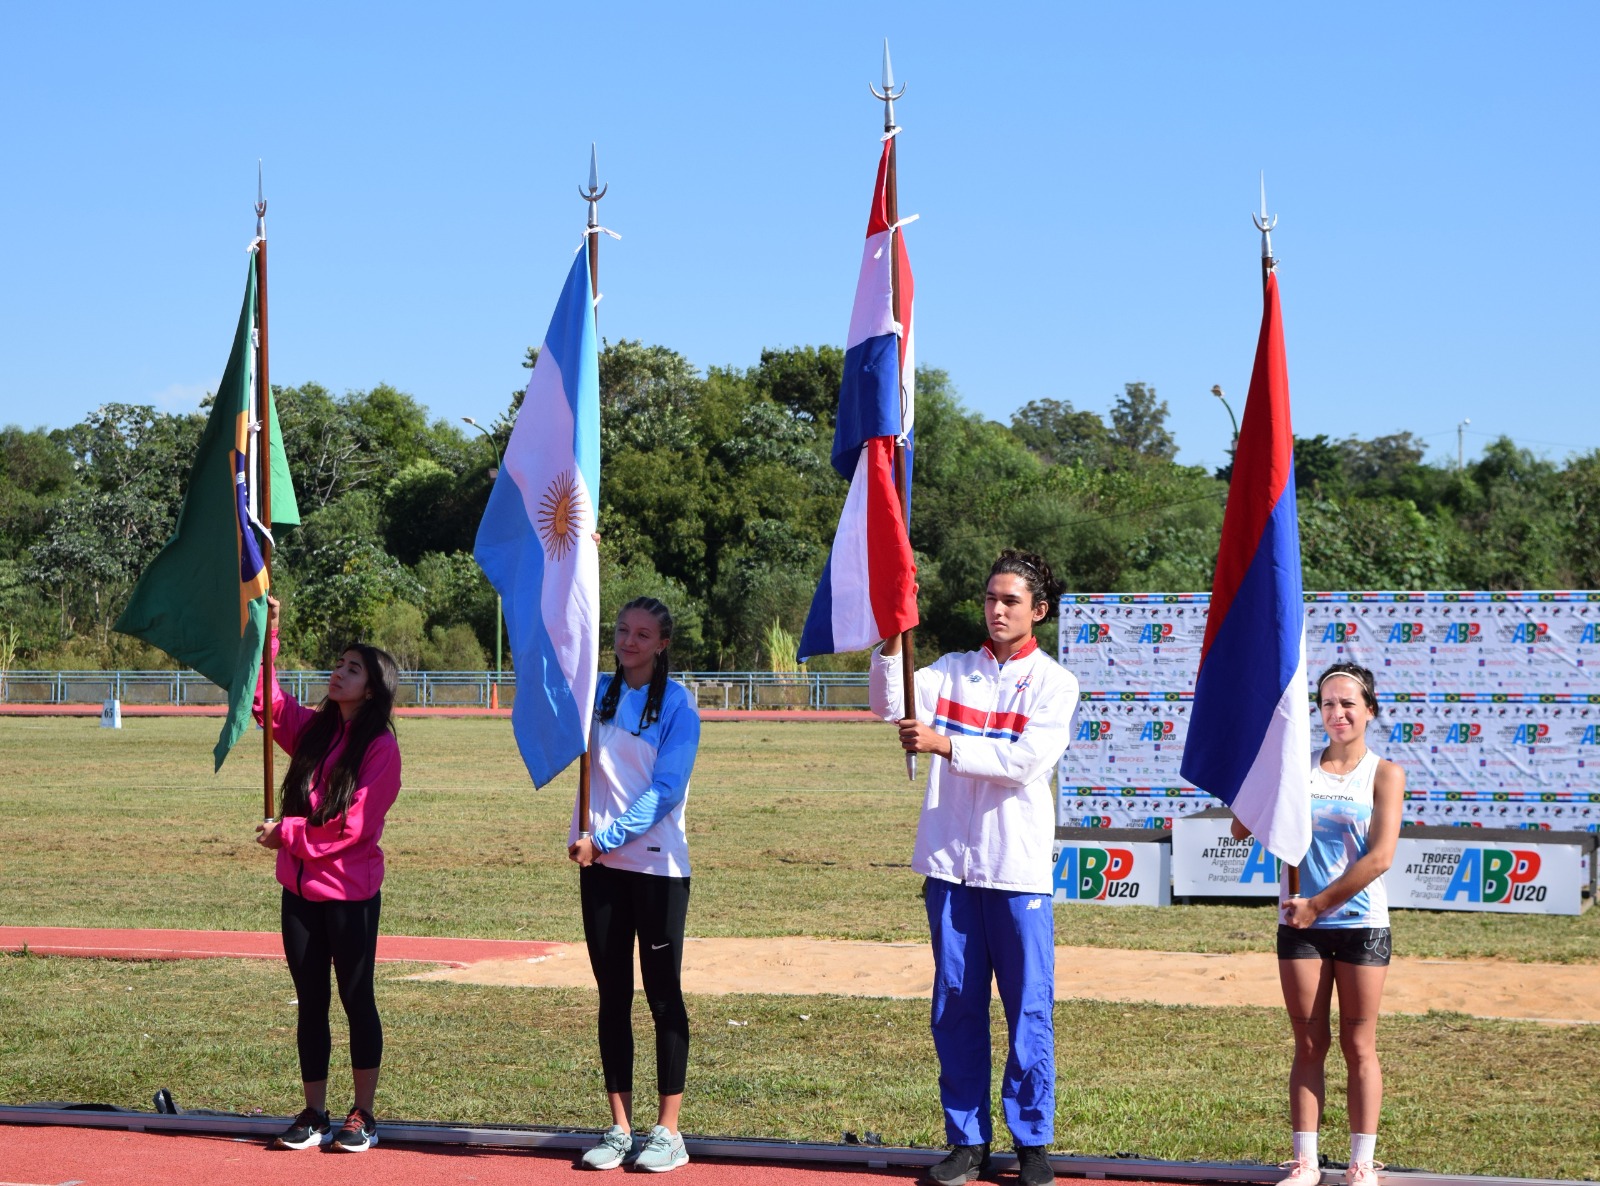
pixel 1084 173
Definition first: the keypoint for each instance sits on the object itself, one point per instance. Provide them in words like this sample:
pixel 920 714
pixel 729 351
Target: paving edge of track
pixel 733 1148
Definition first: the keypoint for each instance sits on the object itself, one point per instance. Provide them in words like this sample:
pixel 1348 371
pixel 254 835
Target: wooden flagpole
pixel 891 200
pixel 1265 225
pixel 595 193
pixel 264 454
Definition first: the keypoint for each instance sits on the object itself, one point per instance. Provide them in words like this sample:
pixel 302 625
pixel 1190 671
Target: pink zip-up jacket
pixel 339 860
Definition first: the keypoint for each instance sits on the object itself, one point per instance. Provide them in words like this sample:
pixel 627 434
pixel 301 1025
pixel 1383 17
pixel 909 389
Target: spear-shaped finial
pixel 888 95
pixel 595 191
pixel 1265 225
pixel 261 204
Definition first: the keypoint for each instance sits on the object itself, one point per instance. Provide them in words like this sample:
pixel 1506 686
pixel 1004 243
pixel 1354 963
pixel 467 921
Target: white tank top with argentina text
pixel 1341 815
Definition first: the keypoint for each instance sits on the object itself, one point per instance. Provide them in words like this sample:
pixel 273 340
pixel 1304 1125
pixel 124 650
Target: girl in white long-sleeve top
pixel 996 721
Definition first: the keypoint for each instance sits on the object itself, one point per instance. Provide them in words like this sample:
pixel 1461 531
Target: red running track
pixel 216 710
pixel 48 1156
pixel 108 943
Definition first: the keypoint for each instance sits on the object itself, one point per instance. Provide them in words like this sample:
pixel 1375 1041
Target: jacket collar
pixel 1023 651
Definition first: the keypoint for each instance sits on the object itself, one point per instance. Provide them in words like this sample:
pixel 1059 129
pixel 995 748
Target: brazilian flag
pixel 203 600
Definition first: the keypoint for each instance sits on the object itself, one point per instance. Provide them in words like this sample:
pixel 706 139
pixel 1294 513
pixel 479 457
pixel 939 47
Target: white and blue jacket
pixel 639 779
pixel 989 818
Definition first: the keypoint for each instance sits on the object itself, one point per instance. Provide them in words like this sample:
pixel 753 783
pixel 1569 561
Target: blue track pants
pixel 979 934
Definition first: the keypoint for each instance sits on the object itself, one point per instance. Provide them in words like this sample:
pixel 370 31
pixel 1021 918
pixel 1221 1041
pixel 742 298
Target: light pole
pixel 499 608
pixel 1461 449
pixel 1216 390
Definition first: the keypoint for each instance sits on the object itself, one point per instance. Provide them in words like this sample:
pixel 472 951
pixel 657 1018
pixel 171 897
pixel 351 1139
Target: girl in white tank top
pixel 1334 933
pixel 1341 820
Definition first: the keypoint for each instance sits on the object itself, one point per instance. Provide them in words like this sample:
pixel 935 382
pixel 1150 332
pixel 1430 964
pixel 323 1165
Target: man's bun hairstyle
pixel 1035 571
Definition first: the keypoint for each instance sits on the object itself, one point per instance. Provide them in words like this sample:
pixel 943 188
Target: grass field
pixel 1163 1082
pixel 796 829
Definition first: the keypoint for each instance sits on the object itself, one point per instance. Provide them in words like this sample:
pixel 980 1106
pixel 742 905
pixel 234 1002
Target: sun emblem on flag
pixel 560 515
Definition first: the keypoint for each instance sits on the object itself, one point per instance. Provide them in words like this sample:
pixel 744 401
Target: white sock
pixel 1362 1146
pixel 1305 1147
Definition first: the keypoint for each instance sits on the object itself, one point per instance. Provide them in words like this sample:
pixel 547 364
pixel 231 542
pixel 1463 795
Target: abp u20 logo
pixel 1407 733
pixel 1155 633
pixel 1406 632
pixel 1496 875
pixel 1260 866
pixel 1339 632
pixel 1093 731
pixel 1462 632
pixel 1157 731
pixel 1095 874
pixel 1093 632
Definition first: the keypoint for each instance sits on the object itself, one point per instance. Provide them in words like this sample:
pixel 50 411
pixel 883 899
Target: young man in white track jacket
pixel 996 721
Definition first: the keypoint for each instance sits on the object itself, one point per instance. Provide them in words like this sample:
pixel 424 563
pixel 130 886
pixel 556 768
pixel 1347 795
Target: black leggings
pixel 344 935
pixel 617 905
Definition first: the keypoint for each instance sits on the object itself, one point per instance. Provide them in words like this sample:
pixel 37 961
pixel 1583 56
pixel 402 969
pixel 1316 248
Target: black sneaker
pixel 360 1133
pixel 1033 1165
pixel 965 1163
pixel 310 1128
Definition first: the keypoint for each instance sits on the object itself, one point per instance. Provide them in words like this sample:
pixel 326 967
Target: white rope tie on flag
pixel 890 134
pixel 906 221
pixel 254 243
pixel 604 230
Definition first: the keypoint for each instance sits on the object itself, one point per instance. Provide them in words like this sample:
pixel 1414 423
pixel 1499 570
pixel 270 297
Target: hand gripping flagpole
pixel 595 192
pixel 891 198
pixel 263 413
pixel 1265 225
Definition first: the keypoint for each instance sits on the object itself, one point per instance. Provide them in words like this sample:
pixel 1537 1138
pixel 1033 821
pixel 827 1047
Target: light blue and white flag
pixel 536 541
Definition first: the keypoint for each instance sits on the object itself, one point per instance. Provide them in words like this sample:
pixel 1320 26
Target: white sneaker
pixel 1303 1171
pixel 662 1152
pixel 615 1147
pixel 1363 1173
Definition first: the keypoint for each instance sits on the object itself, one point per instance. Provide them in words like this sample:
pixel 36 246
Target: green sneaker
pixel 615 1147
pixel 662 1152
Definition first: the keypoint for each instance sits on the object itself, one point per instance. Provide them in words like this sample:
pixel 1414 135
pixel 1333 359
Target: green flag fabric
pixel 203 600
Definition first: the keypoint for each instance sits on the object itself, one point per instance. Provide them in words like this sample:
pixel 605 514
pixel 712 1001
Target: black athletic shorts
pixel 1347 945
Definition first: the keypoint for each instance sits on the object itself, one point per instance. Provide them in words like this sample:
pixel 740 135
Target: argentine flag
pixel 536 540
pixel 868 590
pixel 1250 729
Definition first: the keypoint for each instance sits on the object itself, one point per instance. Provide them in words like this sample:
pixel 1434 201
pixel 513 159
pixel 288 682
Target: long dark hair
pixel 658 673
pixel 373 718
pixel 1035 573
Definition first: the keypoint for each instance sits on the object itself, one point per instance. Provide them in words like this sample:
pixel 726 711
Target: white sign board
pixel 1113 871
pixel 1511 876
pixel 1207 862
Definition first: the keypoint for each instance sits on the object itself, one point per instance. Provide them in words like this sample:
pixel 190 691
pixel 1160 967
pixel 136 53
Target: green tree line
pixel 717 496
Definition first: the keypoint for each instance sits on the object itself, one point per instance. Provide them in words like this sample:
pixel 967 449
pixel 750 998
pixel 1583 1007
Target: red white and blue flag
pixel 1250 731
pixel 868 590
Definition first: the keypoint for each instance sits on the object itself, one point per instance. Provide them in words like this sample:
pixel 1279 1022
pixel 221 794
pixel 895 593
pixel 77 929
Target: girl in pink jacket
pixel 344 774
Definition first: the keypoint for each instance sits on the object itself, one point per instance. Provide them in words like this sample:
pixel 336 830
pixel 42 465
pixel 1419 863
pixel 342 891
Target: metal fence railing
pixel 738 690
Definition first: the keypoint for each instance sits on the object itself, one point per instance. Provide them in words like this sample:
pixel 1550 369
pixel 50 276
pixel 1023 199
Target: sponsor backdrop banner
pixel 1491 701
